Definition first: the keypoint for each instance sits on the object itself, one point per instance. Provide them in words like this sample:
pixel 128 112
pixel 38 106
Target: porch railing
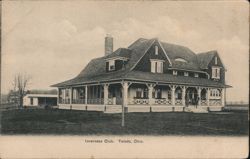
pixel 138 101
pixel 215 102
pixel 203 102
pixel 78 101
pixel 114 101
pixel 64 101
pixel 161 101
pixel 178 102
pixel 96 101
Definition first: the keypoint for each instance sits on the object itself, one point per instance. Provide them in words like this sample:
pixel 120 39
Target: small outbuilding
pixel 39 99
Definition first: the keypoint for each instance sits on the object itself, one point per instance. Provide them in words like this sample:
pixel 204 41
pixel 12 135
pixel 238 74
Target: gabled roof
pixel 205 58
pixel 95 71
pixel 121 52
pixel 177 51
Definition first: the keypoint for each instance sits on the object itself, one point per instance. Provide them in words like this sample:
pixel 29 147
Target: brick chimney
pixel 108 44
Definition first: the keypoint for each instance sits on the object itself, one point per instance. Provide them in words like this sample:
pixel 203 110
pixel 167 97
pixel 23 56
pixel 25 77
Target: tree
pixel 20 83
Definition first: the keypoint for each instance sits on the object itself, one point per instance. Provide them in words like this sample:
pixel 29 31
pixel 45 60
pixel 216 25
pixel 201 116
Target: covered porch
pixel 140 97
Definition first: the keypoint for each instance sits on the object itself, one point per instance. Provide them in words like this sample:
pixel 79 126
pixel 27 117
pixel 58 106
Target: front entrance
pixel 191 97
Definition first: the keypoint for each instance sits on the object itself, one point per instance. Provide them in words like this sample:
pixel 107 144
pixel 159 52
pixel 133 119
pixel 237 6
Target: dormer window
pixel 196 75
pixel 180 60
pixel 175 73
pixel 185 73
pixel 111 65
pixel 115 63
pixel 156 66
pixel 156 50
pixel 216 72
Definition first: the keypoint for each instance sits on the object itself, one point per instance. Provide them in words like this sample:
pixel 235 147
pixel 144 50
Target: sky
pixel 53 41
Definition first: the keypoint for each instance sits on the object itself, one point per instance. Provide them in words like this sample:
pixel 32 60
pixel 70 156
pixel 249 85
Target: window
pixel 216 60
pixel 156 66
pixel 196 75
pixel 215 94
pixel 180 60
pixel 31 101
pixel 157 93
pixel 138 93
pixel 185 73
pixel 156 50
pixel 174 72
pixel 178 94
pixel 111 65
pixel 66 93
pixel 81 93
pixel 216 72
pixel 145 93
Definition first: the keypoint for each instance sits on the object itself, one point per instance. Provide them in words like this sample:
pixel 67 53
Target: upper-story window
pixel 216 60
pixel 156 66
pixel 156 50
pixel 111 65
pixel 175 72
pixel 196 75
pixel 216 72
pixel 180 60
pixel 185 73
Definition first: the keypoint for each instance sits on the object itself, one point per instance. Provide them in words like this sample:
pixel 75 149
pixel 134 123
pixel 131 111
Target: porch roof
pixel 144 77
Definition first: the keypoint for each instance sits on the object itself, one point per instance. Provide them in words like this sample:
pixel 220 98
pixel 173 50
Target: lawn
pixel 40 121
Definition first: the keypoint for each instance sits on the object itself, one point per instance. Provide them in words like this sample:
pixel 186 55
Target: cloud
pixel 56 50
pixel 234 54
pixel 163 27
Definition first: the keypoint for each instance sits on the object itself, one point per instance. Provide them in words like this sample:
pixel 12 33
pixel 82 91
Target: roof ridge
pixel 137 41
pixel 211 51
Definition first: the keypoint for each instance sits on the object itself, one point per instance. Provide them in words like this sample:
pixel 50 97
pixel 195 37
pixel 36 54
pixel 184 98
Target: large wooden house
pixel 148 75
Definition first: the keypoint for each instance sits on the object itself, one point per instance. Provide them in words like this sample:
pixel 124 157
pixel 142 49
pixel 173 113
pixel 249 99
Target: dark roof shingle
pixel 95 71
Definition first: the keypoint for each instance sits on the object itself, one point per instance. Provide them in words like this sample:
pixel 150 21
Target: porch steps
pixel 194 109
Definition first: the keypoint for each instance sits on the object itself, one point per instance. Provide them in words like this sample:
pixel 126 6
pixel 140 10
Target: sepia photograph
pixel 143 79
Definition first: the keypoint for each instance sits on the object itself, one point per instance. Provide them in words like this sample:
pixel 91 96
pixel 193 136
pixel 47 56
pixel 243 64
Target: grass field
pixel 40 121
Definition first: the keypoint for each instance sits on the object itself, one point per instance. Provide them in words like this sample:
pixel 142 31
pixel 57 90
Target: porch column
pixel 208 95
pixel 70 95
pixel 86 95
pixel 183 95
pixel 124 99
pixel 199 96
pixel 223 97
pixel 173 94
pixel 64 95
pixel 106 93
pixel 150 93
pixel 58 95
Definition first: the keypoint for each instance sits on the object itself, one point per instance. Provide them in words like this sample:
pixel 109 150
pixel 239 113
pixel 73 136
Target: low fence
pixel 7 106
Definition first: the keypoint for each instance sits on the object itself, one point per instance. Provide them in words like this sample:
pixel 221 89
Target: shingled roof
pixel 95 71
pixel 205 58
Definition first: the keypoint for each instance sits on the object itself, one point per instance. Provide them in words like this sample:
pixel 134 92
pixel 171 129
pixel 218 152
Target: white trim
pixel 157 60
pixel 117 58
pixel 40 95
pixel 156 50
pixel 179 59
pixel 175 73
pixel 186 74
pixel 196 75
pixel 216 70
pixel 172 68
pixel 164 52
pixel 142 56
pixel 220 60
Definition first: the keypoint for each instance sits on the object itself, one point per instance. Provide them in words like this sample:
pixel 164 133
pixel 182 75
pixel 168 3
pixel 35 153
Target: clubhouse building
pixel 147 76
